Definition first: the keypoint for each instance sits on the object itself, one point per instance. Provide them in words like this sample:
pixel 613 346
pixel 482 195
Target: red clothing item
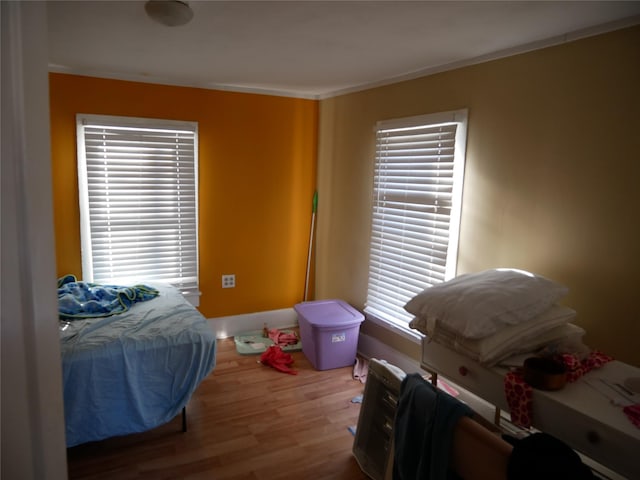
pixel 276 358
pixel 282 338
pixel 519 393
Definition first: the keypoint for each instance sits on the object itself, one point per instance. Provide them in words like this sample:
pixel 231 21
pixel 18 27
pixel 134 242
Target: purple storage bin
pixel 329 332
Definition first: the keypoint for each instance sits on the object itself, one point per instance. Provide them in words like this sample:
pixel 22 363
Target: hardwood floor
pixel 245 421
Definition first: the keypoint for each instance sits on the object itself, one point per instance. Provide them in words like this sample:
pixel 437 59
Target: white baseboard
pixel 368 346
pixel 235 324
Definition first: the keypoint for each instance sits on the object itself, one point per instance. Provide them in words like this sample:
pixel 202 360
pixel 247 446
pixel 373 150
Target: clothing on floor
pixel 276 358
pixel 282 338
pixel 361 369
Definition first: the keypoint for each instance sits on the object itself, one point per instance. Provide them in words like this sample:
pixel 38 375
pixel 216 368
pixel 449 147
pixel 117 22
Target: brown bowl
pixel 544 373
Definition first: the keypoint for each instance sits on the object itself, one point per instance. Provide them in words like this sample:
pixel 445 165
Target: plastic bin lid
pixel 329 313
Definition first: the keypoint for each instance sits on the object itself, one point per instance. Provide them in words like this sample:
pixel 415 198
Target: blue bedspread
pixel 135 371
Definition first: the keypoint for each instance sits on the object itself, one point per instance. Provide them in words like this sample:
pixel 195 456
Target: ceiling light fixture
pixel 169 12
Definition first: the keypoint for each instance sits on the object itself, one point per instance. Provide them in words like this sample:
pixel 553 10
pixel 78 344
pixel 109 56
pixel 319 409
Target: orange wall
pixel 257 173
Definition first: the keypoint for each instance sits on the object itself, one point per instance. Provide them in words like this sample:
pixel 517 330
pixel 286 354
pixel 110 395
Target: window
pixel 138 201
pixel 419 169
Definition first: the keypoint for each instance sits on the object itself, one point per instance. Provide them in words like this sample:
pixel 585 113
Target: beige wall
pixel 552 177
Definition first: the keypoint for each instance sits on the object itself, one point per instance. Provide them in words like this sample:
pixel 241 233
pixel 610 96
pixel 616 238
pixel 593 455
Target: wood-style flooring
pixel 245 421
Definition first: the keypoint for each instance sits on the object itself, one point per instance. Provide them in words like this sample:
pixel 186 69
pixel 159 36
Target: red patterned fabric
pixel 576 368
pixel 633 413
pixel 519 394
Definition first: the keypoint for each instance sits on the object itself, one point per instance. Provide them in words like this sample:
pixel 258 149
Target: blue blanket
pixel 90 300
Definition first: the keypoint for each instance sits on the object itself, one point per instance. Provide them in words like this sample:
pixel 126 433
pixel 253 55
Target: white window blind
pixel 419 169
pixel 138 201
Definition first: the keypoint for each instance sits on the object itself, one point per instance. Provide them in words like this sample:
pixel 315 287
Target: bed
pixel 133 371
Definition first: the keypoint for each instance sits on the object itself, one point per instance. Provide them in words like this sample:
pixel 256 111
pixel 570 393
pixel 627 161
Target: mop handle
pixel 313 221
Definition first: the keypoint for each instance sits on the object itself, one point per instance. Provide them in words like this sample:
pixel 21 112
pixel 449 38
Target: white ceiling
pixel 311 49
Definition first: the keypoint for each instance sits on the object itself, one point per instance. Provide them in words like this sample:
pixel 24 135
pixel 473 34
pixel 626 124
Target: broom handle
pixel 313 222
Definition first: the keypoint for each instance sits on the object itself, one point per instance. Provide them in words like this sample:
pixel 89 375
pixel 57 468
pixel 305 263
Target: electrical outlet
pixel 228 281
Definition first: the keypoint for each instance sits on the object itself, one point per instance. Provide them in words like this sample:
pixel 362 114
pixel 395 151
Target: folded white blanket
pixel 551 327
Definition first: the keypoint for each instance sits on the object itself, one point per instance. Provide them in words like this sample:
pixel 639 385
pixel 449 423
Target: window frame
pixel 460 118
pixel 191 289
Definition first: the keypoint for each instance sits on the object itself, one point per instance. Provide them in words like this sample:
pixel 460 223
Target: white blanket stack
pixel 494 314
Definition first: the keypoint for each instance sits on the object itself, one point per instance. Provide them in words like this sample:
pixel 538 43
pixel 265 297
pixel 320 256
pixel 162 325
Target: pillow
pixel 476 305
pixel 549 327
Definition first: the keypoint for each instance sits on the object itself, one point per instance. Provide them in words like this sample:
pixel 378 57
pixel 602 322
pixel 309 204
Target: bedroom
pixel 575 223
